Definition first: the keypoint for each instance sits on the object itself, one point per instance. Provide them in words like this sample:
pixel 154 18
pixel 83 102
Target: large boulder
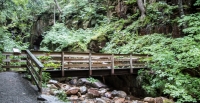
pixel 72 91
pixel 93 93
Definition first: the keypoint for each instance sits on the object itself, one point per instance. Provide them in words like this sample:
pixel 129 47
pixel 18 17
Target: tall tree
pixel 141 8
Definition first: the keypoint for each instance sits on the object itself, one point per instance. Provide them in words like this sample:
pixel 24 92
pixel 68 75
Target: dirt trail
pixel 15 89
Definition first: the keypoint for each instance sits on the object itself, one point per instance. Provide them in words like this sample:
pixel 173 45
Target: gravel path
pixel 15 89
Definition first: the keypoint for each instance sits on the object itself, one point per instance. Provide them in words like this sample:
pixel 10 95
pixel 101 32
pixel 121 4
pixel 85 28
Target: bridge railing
pixel 34 67
pixel 24 61
pixel 90 61
pixel 64 61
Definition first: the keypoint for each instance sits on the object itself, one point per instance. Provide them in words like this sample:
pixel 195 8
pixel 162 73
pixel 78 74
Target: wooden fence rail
pixel 63 62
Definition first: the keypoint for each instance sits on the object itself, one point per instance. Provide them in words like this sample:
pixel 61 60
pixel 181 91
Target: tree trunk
pixel 181 11
pixel 141 8
pixel 180 6
pixel 58 6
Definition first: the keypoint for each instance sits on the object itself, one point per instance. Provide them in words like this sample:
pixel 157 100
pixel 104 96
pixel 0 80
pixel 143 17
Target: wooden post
pixel 112 65
pixel 40 80
pixel 131 64
pixel 8 63
pixel 90 64
pixel 62 64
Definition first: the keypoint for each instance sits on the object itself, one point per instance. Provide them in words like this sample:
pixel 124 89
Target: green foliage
pixel 45 78
pixel 197 3
pixel 192 22
pixel 169 63
pixel 160 12
pixel 47 62
pixel 87 12
pixel 92 80
pixel 7 42
pixel 63 96
pixel 130 1
pixel 59 37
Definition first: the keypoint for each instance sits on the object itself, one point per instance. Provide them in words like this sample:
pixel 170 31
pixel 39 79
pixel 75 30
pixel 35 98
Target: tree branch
pixel 58 6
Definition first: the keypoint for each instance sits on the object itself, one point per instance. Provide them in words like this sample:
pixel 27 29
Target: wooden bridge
pixel 66 64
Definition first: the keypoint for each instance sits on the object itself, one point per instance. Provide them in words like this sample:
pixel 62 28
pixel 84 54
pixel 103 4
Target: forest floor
pixel 15 89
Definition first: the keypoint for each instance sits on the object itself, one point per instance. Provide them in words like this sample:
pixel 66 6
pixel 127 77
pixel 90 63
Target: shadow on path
pixel 15 89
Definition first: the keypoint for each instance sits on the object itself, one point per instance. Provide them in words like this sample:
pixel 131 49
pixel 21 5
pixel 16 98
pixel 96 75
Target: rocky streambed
pixel 89 90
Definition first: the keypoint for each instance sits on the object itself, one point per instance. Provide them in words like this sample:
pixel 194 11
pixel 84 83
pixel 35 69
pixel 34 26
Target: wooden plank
pixel 86 60
pixel 76 65
pixel 76 55
pixel 126 59
pixel 13 60
pixel 13 66
pixel 121 55
pixel 101 65
pixel 34 59
pixel 119 64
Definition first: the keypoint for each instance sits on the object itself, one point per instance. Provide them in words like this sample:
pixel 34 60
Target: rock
pixel 84 80
pixel 73 97
pixel 73 81
pixel 65 87
pixel 133 98
pixel 158 100
pixel 106 99
pixel 102 91
pixel 79 94
pixel 136 101
pixel 53 86
pixel 80 82
pixel 114 93
pixel 118 100
pixel 108 95
pixel 165 100
pixel 99 100
pixel 121 94
pixel 98 84
pixel 59 85
pixel 53 82
pixel 88 101
pixel 92 93
pixel 81 99
pixel 149 99
pixel 40 98
pixel 54 91
pixel 72 91
pixel 83 89
pixel 50 99
pixel 162 100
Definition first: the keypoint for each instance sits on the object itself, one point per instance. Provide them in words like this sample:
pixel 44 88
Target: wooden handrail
pixel 68 61
pixel 36 75
pixel 34 59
